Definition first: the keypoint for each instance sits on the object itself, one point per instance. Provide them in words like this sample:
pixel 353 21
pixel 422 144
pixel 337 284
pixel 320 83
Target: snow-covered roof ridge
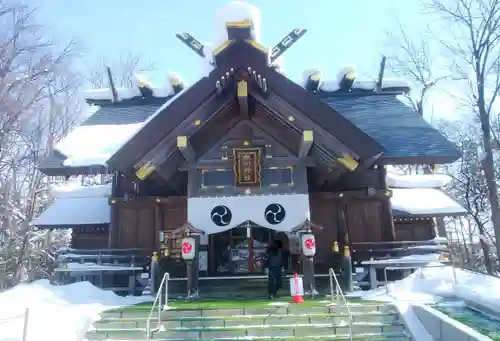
pixel 105 95
pixel 333 84
pixel 417 180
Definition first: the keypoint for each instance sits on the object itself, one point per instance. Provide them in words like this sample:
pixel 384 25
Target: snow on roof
pixel 94 145
pixel 418 180
pixel 233 12
pixel 74 189
pixel 332 85
pixel 424 201
pixel 76 304
pixel 157 112
pixel 67 212
pixel 127 93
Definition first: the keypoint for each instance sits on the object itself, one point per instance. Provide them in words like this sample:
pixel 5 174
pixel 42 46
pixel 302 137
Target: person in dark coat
pixel 274 266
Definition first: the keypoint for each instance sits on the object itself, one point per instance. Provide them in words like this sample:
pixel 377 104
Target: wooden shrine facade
pixel 246 133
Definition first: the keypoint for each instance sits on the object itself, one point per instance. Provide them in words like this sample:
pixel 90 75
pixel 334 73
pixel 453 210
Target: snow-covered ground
pixel 432 284
pixel 60 313
pixel 56 313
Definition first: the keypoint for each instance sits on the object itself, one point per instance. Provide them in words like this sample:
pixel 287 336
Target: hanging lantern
pixel 188 248
pixel 308 244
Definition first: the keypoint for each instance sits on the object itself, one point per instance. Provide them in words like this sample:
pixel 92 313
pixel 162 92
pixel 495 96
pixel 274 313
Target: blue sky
pixel 340 32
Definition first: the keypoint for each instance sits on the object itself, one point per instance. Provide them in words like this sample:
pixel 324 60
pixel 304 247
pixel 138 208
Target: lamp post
pixel 188 254
pixel 308 243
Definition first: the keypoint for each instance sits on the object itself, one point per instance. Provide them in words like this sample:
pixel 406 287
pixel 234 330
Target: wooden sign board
pixel 247 167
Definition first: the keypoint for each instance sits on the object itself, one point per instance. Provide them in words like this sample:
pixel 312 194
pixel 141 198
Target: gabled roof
pixel 403 133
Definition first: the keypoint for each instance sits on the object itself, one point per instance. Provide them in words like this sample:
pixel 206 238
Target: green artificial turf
pixel 242 303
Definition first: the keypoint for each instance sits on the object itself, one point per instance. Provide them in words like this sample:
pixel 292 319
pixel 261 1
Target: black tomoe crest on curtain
pixel 221 215
pixel 274 214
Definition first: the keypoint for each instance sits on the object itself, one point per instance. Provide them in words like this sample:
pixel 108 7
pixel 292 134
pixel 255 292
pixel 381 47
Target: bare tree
pixel 123 70
pixel 475 27
pixel 413 60
pixel 469 186
pixel 38 104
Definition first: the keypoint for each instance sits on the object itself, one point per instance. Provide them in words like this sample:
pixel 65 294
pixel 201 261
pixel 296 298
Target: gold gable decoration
pixel 247 167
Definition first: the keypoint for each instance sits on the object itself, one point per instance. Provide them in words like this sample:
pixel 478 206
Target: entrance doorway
pixel 242 250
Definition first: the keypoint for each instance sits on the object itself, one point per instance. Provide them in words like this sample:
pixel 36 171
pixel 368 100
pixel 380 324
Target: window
pixel 214 178
pixel 277 176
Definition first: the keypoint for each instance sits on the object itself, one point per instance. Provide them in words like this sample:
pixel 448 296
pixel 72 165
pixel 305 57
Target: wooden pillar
pixel 112 232
pixel 342 235
pixel 195 267
pixel 388 230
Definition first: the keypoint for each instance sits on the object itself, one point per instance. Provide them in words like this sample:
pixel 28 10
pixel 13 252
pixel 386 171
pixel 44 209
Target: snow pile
pixel 424 201
pixel 431 284
pixel 418 180
pixel 56 313
pixel 94 145
pixel 233 12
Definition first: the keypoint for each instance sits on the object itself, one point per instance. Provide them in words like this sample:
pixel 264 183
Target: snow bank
pixel 431 284
pixel 56 313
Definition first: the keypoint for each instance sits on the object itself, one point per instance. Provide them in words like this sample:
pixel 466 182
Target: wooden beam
pixel 348 162
pixel 273 162
pixel 186 149
pixel 306 143
pixel 274 106
pixel 242 90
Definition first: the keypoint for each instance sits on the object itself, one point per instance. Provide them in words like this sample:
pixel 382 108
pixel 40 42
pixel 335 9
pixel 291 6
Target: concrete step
pixel 235 332
pixel 270 310
pixel 223 321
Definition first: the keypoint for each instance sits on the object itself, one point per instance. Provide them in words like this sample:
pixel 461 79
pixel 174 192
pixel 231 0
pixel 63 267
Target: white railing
pixel 418 267
pixel 24 316
pixel 158 300
pixel 339 295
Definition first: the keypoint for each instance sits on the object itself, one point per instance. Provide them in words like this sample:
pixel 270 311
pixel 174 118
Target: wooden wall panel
pixel 89 240
pixel 136 224
pixel 415 230
pixel 324 213
pixel 145 227
pixel 364 220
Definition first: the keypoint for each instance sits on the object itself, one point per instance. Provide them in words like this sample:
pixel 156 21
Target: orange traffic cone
pixel 297 289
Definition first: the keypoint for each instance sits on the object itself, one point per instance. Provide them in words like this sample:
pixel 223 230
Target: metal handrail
pixel 164 281
pixel 340 295
pixel 418 267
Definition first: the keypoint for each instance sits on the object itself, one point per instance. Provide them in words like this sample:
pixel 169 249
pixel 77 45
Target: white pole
pixel 25 326
pixel 165 306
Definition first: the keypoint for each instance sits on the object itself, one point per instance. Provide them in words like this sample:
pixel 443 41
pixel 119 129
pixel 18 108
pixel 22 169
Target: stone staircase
pixel 293 322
